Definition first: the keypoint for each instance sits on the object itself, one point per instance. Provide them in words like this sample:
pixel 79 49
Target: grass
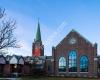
pixel 56 78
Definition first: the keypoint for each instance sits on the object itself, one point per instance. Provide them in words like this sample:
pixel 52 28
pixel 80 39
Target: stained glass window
pixel 84 64
pixel 72 61
pixel 62 64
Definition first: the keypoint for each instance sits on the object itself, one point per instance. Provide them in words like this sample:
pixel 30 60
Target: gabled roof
pixel 21 60
pixel 13 60
pixel 2 59
pixel 74 31
pixel 81 36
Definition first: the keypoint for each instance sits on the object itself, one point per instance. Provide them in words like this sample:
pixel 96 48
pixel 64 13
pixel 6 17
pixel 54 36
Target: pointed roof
pixel 38 34
pixel 75 32
pixel 81 36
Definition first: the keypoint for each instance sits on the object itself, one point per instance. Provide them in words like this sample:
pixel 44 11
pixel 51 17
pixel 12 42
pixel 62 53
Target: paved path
pixel 10 79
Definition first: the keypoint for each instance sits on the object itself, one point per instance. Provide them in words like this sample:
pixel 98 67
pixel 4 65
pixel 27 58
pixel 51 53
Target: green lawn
pixel 56 78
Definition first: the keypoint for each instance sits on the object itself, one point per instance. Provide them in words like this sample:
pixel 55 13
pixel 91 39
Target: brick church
pixel 37 47
pixel 74 56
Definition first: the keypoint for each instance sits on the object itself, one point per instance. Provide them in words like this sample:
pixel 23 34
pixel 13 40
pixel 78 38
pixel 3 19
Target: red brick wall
pixel 82 47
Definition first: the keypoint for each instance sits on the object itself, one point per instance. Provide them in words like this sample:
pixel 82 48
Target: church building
pixel 74 56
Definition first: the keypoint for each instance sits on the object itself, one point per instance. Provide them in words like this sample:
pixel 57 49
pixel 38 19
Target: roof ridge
pixel 81 36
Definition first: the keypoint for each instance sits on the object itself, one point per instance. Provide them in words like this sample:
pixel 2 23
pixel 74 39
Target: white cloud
pixel 24 34
pixel 24 50
pixel 50 40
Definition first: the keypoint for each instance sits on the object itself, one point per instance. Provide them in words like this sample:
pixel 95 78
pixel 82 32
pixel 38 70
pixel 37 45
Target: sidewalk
pixel 10 79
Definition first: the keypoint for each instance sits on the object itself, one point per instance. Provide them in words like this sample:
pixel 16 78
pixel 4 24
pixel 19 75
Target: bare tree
pixel 2 12
pixel 7 28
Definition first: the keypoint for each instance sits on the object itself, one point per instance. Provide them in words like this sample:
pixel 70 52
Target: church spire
pixel 38 34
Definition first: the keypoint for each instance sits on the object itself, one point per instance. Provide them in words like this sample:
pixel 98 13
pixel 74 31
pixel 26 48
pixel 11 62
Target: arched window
pixel 84 64
pixel 62 64
pixel 72 61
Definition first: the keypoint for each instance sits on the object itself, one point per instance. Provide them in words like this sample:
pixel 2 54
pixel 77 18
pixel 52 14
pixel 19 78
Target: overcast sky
pixel 57 19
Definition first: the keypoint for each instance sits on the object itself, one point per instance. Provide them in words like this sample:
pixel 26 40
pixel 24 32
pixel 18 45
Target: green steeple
pixel 38 34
